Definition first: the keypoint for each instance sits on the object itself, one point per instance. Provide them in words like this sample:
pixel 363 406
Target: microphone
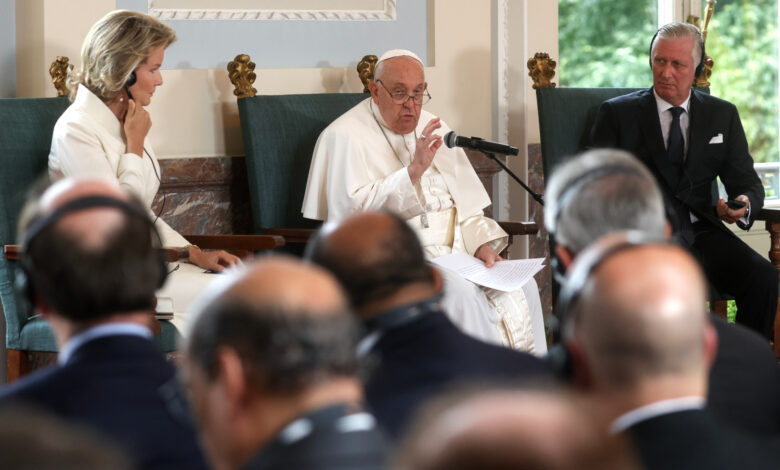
pixel 475 143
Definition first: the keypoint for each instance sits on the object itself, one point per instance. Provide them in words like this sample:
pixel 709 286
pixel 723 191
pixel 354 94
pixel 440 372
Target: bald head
pixel 374 255
pixel 513 430
pixel 287 320
pixel 287 284
pixel 89 227
pixel 641 316
pixel 90 251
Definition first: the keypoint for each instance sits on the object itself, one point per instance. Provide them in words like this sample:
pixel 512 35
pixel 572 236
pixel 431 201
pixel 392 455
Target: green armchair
pixel 26 126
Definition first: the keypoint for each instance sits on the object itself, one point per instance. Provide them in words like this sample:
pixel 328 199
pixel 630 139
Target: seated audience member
pixel 92 265
pixel 103 133
pixel 504 430
pixel 271 367
pixel 605 191
pixel 386 153
pixel 31 439
pixel 641 343
pixel 418 352
pixel 688 138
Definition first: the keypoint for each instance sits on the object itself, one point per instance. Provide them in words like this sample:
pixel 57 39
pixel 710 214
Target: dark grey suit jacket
pixel 330 438
pixel 693 440
pixel 122 387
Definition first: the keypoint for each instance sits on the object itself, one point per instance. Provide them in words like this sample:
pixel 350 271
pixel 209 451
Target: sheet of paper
pixel 507 275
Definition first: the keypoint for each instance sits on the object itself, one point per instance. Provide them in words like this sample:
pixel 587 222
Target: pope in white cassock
pixel 386 153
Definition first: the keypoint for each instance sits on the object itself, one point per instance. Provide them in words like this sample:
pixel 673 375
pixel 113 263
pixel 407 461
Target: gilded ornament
pixel 365 69
pixel 541 69
pixel 241 72
pixel 59 72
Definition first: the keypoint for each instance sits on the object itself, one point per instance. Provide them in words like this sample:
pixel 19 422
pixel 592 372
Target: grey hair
pixel 681 31
pixel 624 197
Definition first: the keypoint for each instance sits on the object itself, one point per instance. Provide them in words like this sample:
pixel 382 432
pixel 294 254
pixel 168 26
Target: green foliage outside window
pixel 604 43
pixel 743 43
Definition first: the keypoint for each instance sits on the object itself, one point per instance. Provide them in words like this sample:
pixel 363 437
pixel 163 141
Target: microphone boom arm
pixel 537 197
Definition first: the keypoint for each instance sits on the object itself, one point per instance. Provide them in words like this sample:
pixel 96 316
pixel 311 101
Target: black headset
pixel 577 278
pixel 699 39
pixel 23 283
pixel 130 82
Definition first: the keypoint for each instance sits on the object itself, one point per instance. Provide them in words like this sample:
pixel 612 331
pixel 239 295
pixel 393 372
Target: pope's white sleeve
pixel 351 188
pixel 478 230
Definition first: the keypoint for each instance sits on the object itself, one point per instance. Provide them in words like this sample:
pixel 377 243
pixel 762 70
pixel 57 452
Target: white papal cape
pixel 354 168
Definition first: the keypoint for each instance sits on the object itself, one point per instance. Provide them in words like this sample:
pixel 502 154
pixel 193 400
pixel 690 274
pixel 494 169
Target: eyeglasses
pixel 401 97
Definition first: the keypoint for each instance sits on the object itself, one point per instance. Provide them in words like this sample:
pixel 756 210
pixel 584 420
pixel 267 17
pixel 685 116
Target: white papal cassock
pixel 359 164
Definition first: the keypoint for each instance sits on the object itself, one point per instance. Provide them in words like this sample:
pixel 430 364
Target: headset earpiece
pixel 130 82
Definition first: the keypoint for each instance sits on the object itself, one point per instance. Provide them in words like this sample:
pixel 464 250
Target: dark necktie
pixel 675 147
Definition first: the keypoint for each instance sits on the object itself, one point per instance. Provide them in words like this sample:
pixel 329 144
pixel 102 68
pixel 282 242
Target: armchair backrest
pixel 566 116
pixel 279 133
pixel 26 126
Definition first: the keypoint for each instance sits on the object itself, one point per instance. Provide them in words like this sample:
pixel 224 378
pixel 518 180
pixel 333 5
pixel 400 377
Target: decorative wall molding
pixel 386 13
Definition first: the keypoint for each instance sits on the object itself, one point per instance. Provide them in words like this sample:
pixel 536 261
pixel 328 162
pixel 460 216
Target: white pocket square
pixel 718 139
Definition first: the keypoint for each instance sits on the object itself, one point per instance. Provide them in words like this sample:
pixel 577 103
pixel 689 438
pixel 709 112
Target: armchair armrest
pixel 519 228
pixel 236 242
pixel 772 218
pixel 769 214
pixel 292 235
pixel 11 252
pixel 241 245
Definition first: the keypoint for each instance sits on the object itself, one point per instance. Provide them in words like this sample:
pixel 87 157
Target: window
pixel 604 43
pixel 743 43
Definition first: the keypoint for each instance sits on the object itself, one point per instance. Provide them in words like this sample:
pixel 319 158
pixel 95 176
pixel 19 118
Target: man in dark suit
pixel 608 190
pixel 688 138
pixel 417 351
pixel 271 367
pixel 641 343
pixel 92 268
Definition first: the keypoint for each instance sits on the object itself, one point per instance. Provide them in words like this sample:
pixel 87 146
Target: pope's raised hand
pixel 427 145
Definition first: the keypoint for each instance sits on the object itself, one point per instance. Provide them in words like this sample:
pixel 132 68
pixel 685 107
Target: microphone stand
pixel 537 197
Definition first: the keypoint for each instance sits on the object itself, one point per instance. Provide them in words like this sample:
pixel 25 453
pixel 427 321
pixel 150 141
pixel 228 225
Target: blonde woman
pixel 104 131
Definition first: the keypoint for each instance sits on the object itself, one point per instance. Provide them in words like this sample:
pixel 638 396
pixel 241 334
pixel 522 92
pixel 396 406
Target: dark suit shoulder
pixel 744 388
pixel 710 100
pixel 434 342
pixel 122 387
pixel 694 439
pixel 630 98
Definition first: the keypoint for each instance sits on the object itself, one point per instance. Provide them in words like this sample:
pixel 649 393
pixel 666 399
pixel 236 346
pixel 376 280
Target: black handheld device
pixel 735 205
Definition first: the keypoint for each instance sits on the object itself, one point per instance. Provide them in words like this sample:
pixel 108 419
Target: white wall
pixel 195 112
